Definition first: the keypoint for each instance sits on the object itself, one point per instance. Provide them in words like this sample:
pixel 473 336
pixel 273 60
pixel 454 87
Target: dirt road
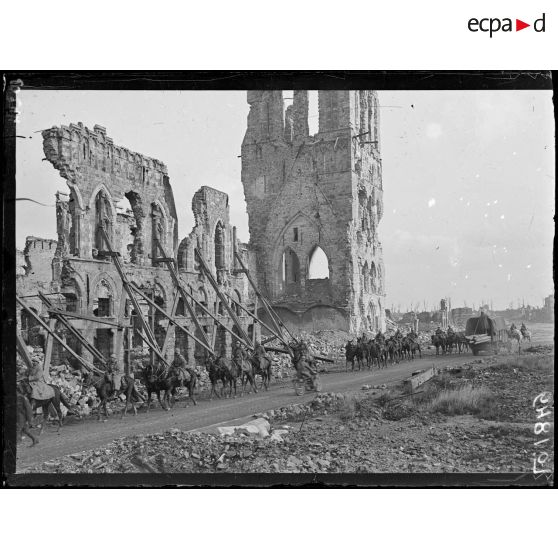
pixel 76 436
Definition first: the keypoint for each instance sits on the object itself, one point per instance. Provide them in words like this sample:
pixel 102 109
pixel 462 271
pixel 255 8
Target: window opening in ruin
pixel 313 115
pixel 103 218
pixel 200 354
pixel 290 267
pixel 180 307
pixel 103 302
pixel 136 250
pixel 219 241
pixel 103 342
pixel 103 308
pixel 318 267
pixel 181 342
pixel 295 234
pixel 220 309
pixel 71 302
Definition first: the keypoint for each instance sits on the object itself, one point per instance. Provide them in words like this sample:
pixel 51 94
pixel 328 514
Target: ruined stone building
pixel 100 176
pixel 313 195
pixel 307 196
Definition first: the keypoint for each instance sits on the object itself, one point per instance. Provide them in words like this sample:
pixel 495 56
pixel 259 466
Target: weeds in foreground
pixel 463 400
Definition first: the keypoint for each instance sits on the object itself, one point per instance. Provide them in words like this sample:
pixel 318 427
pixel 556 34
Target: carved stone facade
pixel 307 194
pixel 100 175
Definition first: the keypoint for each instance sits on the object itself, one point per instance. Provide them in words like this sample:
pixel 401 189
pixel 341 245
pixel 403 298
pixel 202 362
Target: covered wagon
pixel 484 333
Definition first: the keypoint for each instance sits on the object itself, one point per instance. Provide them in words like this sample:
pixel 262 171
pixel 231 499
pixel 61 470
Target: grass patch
pixel 347 409
pixel 465 400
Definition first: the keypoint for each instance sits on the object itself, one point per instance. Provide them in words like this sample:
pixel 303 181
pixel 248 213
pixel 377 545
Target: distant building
pixel 460 316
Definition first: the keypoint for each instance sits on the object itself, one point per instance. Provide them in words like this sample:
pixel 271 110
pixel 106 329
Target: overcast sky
pixel 468 178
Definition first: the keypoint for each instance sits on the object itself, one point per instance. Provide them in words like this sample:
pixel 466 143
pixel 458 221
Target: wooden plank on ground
pixel 420 377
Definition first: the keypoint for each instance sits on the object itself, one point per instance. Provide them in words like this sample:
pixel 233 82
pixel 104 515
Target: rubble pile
pixel 342 433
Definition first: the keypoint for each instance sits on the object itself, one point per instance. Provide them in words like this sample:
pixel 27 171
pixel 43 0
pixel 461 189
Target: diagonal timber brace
pixel 276 320
pixel 129 291
pixel 211 279
pixel 171 266
pixel 66 323
pixel 172 319
pixel 86 364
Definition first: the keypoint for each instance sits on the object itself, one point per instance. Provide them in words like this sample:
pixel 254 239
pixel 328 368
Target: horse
pixel 526 334
pixel 189 384
pixel 515 334
pixel 245 369
pixel 105 391
pixel 45 404
pixel 439 341
pixel 375 353
pixel 25 419
pixel 352 352
pixel 394 350
pixel 451 340
pixel 216 373
pixel 155 382
pixel 406 348
pixel 262 366
pixel 461 342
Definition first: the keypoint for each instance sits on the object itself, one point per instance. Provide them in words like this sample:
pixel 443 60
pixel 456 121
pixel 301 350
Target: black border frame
pixel 221 80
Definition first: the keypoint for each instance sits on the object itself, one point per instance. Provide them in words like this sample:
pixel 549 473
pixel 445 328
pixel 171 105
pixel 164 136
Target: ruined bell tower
pixel 314 204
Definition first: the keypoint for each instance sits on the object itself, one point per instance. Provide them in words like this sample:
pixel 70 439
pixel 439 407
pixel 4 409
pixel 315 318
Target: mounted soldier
pixel 113 375
pixel 450 331
pixel 179 368
pixel 40 390
pixel 439 331
pixel 239 352
pixel 523 329
pixel 303 361
pixel 260 353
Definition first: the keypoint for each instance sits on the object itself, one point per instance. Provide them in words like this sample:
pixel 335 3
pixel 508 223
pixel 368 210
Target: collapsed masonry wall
pixel 79 271
pixel 325 190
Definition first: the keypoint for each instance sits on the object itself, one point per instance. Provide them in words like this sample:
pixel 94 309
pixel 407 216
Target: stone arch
pixel 318 263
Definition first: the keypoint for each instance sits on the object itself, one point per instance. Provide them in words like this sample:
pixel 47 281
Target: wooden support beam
pixel 22 349
pixel 127 285
pixel 87 365
pixel 234 317
pixel 75 316
pixel 178 284
pixel 171 326
pixel 77 334
pixel 252 315
pixel 189 333
pixel 272 314
pixel 48 348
